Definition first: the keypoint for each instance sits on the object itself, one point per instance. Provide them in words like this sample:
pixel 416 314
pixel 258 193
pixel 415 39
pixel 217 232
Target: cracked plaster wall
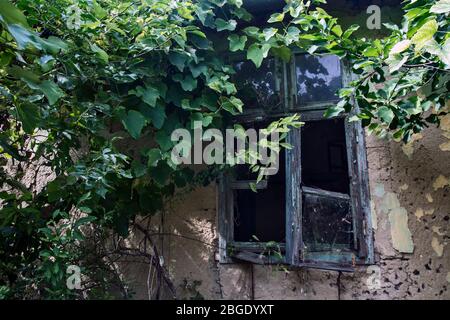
pixel 410 212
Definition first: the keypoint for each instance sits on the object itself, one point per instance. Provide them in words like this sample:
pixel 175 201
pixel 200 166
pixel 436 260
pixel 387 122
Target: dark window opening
pixel 260 216
pixel 324 156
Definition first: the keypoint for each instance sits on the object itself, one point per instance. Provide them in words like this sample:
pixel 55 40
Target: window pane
pixel 324 155
pixel 318 78
pixel 262 214
pixel 327 224
pixel 256 86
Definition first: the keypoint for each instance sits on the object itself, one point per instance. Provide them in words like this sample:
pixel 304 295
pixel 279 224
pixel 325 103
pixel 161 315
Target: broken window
pixel 315 211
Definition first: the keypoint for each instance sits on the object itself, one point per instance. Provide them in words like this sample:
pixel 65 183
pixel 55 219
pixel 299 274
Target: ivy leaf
pixel 283 52
pixel 276 17
pixel 148 94
pixel 163 140
pixel 237 42
pixel 225 25
pixel 255 54
pixel 442 6
pixel 153 155
pixel 424 34
pixel 386 114
pixel 188 83
pixel 156 115
pixel 178 60
pixel 198 69
pixel 134 122
pixel 269 33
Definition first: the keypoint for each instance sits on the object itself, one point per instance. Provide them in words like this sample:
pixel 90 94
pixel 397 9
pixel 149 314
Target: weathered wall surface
pixel 410 192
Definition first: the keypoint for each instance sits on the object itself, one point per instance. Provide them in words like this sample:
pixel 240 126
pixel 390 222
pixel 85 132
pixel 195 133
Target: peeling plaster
pixel 445 146
pixel 445 126
pixel 437 230
pixel 429 197
pixel 389 202
pixel 445 122
pixel 408 148
pixel 419 213
pixel 398 217
pixel 373 215
pixel 379 190
pixel 401 235
pixel 441 182
pixel 404 187
pixel 437 246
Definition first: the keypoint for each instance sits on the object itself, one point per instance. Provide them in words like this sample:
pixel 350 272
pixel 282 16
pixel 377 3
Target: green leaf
pixel 178 60
pixel 237 42
pixel 386 114
pixel 24 37
pixel 101 54
pixel 401 46
pixel 148 94
pixel 252 32
pixel 370 52
pixel 9 14
pixel 198 69
pixel 350 31
pixel 424 34
pixel 156 115
pixel 29 115
pixel 442 6
pixel 84 220
pixel 134 122
pixel 337 30
pixel 154 155
pixel 276 17
pixel 333 111
pixel 395 62
pixel 282 52
pixel 255 54
pixel 51 91
pixel 225 25
pixel 163 140
pixel 188 83
pixel 269 33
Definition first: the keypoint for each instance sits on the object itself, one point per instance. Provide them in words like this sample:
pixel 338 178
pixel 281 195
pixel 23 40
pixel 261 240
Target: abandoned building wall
pixel 410 193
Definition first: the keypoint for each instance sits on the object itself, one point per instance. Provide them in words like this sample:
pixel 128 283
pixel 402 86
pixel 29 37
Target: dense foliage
pixel 81 79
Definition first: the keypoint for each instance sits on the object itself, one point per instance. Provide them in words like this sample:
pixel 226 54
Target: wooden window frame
pixel 231 251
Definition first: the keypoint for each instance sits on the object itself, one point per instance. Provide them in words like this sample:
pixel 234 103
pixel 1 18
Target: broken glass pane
pixel 257 87
pixel 327 223
pixel 318 78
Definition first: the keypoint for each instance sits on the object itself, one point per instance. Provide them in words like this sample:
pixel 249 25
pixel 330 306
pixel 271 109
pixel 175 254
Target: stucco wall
pixel 411 209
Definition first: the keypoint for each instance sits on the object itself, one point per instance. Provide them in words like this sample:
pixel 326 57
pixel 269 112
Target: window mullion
pixel 293 199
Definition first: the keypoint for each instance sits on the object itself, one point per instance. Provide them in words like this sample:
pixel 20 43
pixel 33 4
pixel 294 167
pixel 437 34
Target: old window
pixel 315 211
